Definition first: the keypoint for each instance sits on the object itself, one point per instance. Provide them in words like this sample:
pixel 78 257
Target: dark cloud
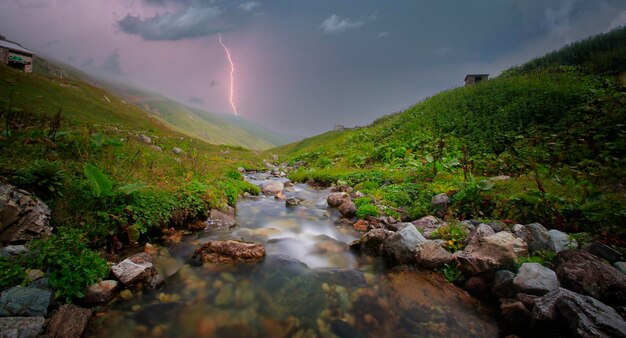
pixel 215 83
pixel 195 100
pixel 196 20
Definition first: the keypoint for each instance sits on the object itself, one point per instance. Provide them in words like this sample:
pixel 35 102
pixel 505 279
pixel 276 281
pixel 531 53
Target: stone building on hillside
pixel 471 79
pixel 16 56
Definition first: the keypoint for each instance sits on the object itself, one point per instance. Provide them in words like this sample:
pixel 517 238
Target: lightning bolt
pixel 232 76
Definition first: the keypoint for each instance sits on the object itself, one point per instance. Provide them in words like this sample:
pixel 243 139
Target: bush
pixel 450 272
pixel 71 265
pixel 454 234
pixel 367 210
pixel 11 273
pixel 42 176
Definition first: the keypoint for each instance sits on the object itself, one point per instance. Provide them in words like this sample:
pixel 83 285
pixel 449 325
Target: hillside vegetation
pixel 556 125
pixel 111 173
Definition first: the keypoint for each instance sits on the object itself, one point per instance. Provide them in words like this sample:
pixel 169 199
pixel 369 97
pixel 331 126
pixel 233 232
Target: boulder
pixel 280 196
pixel 440 204
pixel 503 284
pixel 604 251
pixel 336 199
pixel 514 313
pixel 528 300
pixel 68 322
pixel 587 274
pixel 292 202
pixel 583 315
pixel 620 266
pixel 430 254
pixel 179 151
pixel 21 327
pixel 24 302
pixel 402 245
pixel 229 252
pixel 145 139
pixel 347 209
pixel 560 241
pixel 535 279
pixel 491 253
pixel 534 234
pixel 497 226
pixel 482 230
pixel 428 225
pixel 22 216
pixel 373 241
pixel 101 292
pixel 272 188
pixel 135 269
pixel 476 285
pixel 220 220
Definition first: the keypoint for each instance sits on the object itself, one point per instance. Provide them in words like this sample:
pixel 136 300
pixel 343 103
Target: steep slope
pixel 556 123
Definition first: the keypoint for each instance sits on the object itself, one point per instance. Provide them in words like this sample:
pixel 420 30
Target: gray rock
pixel 482 230
pixel 560 241
pixel 23 217
pixel 497 226
pixel 101 292
pixel 491 253
pixel 585 316
pixel 134 269
pixel 179 151
pixel 69 321
pixel 24 301
pixel 272 188
pixel 621 266
pixel 430 254
pixel 21 327
pixel 336 199
pixel 347 209
pixel 440 204
pixel 503 284
pixel 145 139
pixel 535 279
pixel 587 274
pixel 604 251
pixel 514 313
pixel 428 225
pixel 15 250
pixel 402 245
pixel 292 202
pixel 220 220
pixel 157 148
pixel 534 234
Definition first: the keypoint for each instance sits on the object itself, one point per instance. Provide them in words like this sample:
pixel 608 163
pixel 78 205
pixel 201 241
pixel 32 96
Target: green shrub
pixel 367 210
pixel 543 257
pixel 71 265
pixel 454 234
pixel 451 272
pixel 362 201
pixel 43 176
pixel 11 273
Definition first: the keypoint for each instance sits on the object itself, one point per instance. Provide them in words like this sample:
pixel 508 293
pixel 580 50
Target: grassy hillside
pixel 104 184
pixel 556 125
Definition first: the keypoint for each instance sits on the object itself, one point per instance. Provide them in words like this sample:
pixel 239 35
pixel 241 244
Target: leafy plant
pixel 451 272
pixel 101 185
pixel 367 210
pixel 46 177
pixel 543 257
pixel 71 264
pixel 454 234
pixel 11 273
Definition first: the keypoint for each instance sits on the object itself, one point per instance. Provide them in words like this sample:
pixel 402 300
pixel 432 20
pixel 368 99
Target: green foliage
pixel 367 210
pixel 454 235
pixel 362 201
pixel 101 185
pixel 543 257
pixel 451 272
pixel 43 176
pixel 11 273
pixel 471 201
pixel 71 264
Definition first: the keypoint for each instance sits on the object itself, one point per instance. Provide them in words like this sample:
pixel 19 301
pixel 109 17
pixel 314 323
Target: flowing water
pixel 309 285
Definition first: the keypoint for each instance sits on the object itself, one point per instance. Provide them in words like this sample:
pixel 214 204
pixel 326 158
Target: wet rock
pixel 503 284
pixel 145 139
pixel 360 225
pixel 220 220
pixel 440 204
pixel 280 196
pixel 514 313
pixel 535 279
pixel 344 330
pixel 24 301
pixel 101 292
pixel 584 315
pixel 23 217
pixel 68 322
pixel 337 276
pixel 329 247
pixel 292 202
pixel 428 225
pixel 135 269
pixel 482 230
pixel 347 209
pixel 491 253
pixel 373 241
pixel 430 254
pixel 587 274
pixel 604 251
pixel 336 199
pixel 560 241
pixel 534 234
pixel 476 285
pixel 21 327
pixel 272 188
pixel 229 252
pixel 620 266
pixel 402 244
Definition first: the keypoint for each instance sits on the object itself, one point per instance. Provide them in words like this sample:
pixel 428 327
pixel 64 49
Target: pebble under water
pixel 309 285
